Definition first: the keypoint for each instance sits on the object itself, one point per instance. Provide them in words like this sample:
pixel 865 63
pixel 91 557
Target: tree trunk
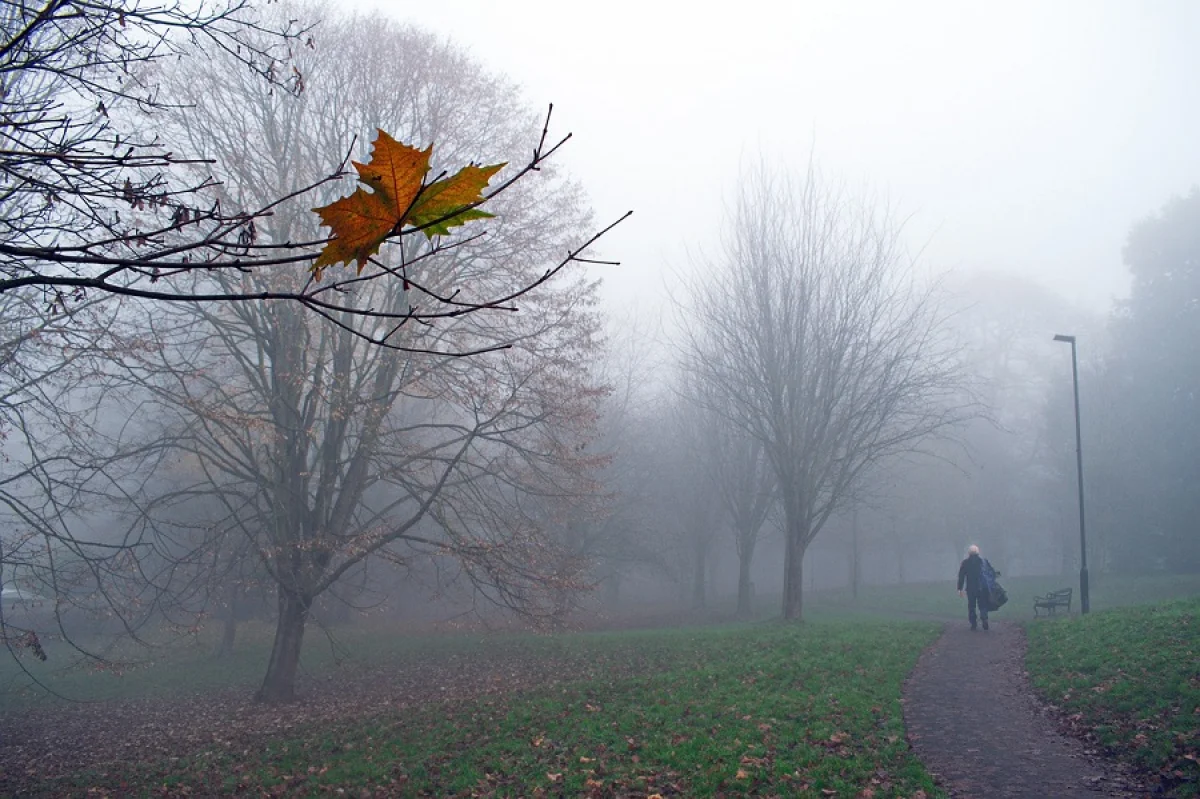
pixel 280 683
pixel 793 577
pixel 745 587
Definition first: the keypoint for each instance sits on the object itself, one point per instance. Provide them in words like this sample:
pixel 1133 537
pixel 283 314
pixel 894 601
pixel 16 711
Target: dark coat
pixel 970 573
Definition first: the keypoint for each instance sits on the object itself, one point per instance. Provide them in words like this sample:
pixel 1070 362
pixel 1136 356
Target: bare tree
pixel 617 531
pixel 742 478
pixel 730 468
pixel 144 411
pixel 685 478
pixel 325 449
pixel 812 329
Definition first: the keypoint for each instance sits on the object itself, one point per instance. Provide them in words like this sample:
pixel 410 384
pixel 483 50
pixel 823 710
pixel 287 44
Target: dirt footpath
pixel 973 720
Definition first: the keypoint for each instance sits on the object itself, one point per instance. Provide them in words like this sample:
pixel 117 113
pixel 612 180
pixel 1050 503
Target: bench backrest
pixel 1064 593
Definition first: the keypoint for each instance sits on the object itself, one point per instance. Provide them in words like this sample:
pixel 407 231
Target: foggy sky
pixel 1023 137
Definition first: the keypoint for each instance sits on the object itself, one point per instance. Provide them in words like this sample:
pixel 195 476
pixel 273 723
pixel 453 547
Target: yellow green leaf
pixel 435 210
pixel 442 228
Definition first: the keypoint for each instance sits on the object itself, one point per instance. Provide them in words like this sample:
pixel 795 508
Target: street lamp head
pixel 1068 339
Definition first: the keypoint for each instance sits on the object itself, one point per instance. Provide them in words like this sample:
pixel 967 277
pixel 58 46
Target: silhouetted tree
pixel 812 329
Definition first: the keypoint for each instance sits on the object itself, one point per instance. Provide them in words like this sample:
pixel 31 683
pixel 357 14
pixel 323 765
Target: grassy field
pixel 186 661
pixel 735 709
pixel 1131 678
pixel 763 708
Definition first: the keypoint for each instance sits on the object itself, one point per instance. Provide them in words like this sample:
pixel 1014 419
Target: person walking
pixel 970 575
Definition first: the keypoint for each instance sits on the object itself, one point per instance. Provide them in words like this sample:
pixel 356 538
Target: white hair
pixel 973 550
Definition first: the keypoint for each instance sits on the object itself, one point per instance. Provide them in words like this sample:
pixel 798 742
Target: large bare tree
pixel 741 477
pixel 261 427
pixel 811 327
pixel 326 449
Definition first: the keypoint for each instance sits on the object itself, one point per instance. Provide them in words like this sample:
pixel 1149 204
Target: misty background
pixel 1021 143
pixel 1023 138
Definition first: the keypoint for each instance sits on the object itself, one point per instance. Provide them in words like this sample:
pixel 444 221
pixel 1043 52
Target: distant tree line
pixel 1140 400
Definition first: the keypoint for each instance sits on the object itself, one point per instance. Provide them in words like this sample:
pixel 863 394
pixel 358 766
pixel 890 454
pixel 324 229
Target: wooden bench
pixel 1052 601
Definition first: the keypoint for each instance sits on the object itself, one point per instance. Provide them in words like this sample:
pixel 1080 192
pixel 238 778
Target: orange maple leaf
pixel 395 170
pixel 398 197
pixel 360 223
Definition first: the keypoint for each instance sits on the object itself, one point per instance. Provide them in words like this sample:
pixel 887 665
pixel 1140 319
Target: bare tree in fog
pixel 94 208
pixel 261 427
pixel 617 531
pixel 332 449
pixel 687 480
pixel 810 325
pixel 735 470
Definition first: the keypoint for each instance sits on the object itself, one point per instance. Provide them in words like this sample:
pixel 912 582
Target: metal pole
pixel 1084 605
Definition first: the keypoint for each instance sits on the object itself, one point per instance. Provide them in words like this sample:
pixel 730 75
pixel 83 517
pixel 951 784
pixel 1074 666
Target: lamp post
pixel 1083 570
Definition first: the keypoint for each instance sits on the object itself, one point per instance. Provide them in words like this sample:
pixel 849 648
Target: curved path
pixel 972 719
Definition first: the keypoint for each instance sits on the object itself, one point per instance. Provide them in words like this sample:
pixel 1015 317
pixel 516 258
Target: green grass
pixel 764 708
pixel 1131 677
pixel 674 711
pixel 187 661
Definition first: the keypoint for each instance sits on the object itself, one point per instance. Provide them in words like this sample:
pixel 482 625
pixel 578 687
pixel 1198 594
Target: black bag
pixel 995 594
